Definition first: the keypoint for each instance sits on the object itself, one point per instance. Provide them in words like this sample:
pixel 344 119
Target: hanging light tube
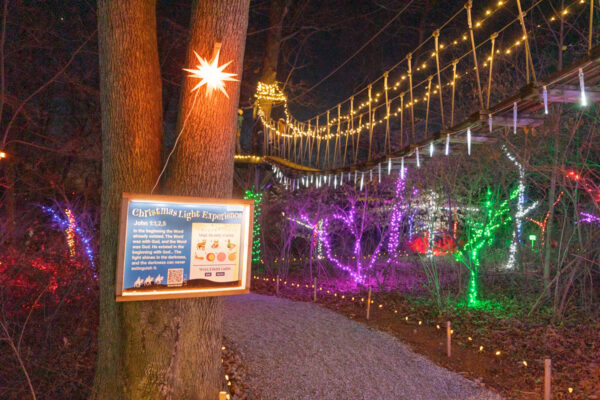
pixel 469 141
pixel 582 88
pixel 402 168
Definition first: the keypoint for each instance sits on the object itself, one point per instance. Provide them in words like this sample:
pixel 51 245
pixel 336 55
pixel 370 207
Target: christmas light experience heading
pixel 187 215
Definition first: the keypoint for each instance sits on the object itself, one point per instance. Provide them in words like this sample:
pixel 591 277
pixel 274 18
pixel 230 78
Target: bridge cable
pixel 356 52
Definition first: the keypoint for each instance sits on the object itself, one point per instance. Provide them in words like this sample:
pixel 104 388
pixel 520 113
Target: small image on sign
pixel 215 249
pixel 175 277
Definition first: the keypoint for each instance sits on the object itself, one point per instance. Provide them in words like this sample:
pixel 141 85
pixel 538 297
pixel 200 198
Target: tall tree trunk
pixel 551 195
pixel 556 112
pixel 424 17
pixel 161 349
pixel 130 98
pixel 277 13
pixel 202 166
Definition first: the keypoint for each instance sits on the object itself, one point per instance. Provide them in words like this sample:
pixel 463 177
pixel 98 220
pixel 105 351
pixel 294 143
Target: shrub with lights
pixel 257 197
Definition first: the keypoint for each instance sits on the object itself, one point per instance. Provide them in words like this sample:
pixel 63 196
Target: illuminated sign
pixel 174 247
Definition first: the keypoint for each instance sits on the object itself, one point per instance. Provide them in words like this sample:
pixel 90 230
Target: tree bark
pixel 424 17
pixel 277 12
pixel 161 349
pixel 130 98
pixel 556 112
pixel 551 198
pixel 202 166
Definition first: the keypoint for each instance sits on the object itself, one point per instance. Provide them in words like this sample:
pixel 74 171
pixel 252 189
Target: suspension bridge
pixel 481 75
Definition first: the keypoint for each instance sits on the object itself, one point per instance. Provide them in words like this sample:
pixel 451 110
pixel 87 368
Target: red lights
pixel 442 244
pixel 573 175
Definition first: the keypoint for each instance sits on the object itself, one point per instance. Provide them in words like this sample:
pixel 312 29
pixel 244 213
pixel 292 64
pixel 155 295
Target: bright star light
pixel 211 74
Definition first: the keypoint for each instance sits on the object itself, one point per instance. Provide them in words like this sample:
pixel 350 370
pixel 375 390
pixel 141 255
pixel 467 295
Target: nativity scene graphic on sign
pixel 174 247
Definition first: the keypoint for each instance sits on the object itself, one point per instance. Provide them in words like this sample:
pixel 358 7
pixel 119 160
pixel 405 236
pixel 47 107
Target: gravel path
pixel 296 351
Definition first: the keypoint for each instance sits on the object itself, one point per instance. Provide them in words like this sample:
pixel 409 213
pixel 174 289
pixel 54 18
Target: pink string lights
pixel 349 222
pixel 589 218
pixel 397 216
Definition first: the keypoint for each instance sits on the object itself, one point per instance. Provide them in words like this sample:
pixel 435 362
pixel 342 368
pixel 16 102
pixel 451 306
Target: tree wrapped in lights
pixel 251 194
pixel 351 231
pixel 481 233
pixel 400 209
pixel 357 229
pixel 75 236
pixel 354 224
pixel 396 217
pixel 520 213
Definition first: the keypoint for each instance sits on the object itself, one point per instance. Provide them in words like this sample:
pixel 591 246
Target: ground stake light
pixel 532 239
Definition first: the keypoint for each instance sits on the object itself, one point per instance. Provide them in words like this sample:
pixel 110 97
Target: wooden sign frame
pixel 245 259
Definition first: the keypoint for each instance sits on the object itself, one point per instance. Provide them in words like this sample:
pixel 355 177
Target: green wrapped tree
pixel 480 233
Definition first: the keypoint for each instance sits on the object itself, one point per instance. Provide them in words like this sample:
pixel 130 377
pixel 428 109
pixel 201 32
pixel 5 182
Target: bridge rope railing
pixel 397 118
